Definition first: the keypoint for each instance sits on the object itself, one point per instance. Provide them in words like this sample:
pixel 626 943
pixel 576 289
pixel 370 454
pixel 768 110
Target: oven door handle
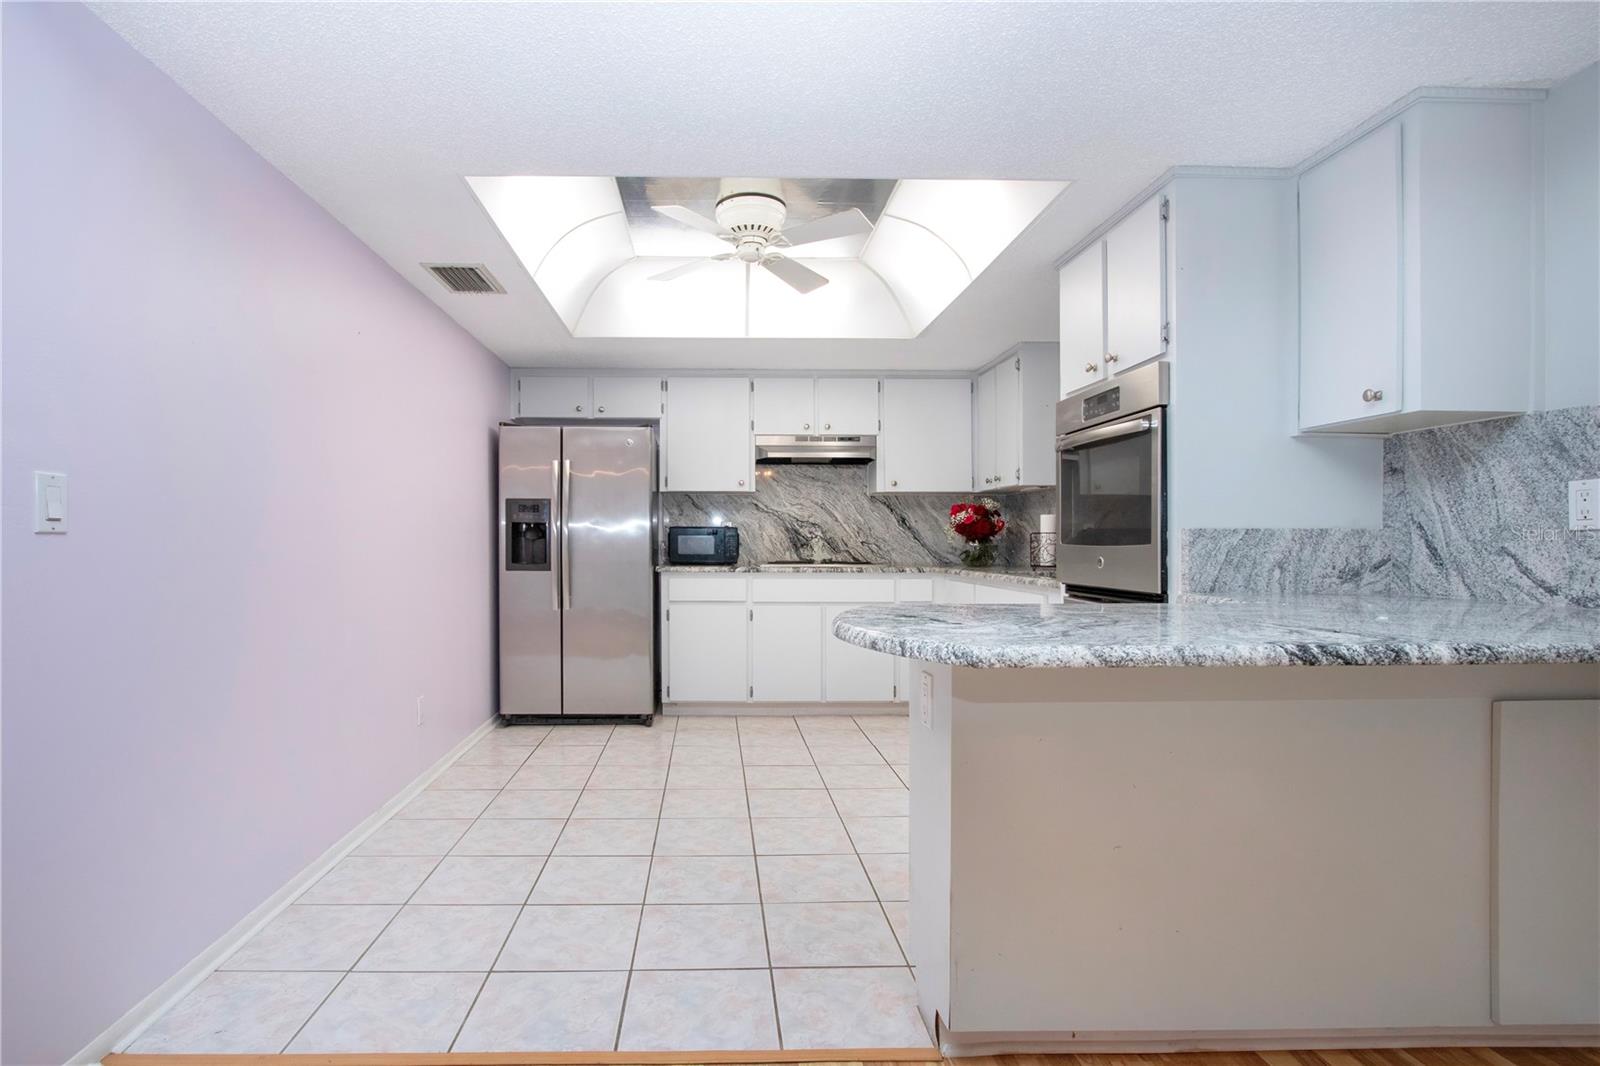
pixel 1126 428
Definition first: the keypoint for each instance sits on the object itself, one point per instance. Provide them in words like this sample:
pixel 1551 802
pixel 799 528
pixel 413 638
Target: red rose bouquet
pixel 976 526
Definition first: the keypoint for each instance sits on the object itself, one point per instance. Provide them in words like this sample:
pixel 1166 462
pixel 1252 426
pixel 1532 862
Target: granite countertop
pixel 1007 575
pixel 1221 631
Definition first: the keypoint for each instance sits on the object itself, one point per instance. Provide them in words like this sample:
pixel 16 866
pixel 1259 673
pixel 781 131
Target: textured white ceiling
pixel 378 110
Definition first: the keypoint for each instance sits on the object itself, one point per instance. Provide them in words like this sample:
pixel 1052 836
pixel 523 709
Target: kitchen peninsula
pixel 1230 823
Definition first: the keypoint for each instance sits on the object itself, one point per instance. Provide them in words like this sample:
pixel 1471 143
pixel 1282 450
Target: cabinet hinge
pixel 1166 208
pixel 752 385
pixel 669 692
pixel 663 384
pixel 752 692
pixel 669 614
pixel 752 613
pixel 1018 364
pixel 1166 333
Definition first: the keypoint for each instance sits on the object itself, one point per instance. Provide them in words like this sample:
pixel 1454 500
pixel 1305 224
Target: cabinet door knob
pixel 827 425
pixel 1372 395
pixel 741 482
pixel 1090 368
pixel 1111 357
pixel 578 408
pixel 806 426
pixel 892 484
pixel 602 410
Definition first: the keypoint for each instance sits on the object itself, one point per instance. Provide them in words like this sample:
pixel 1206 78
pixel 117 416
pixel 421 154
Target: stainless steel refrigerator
pixel 577 570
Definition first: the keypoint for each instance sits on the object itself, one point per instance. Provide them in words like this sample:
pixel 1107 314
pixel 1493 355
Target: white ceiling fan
pixel 750 215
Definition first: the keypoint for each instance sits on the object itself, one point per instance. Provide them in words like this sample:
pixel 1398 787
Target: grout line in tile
pixel 857 851
pixel 531 885
pixel 761 897
pixel 650 869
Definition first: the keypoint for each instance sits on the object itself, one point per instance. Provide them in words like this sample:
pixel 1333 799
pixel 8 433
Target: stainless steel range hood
pixel 781 450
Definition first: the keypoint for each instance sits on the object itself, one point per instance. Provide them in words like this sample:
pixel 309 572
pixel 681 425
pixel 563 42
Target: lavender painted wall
pixel 280 463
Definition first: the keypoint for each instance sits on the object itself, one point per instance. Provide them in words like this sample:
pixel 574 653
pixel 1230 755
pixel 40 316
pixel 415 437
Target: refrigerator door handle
pixel 560 536
pixel 566 557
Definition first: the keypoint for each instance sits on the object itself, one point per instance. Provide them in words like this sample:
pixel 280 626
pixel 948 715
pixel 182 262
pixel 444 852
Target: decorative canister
pixel 1042 545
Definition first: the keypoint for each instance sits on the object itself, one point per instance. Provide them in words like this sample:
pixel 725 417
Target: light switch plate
pixel 49 502
pixel 925 704
pixel 1581 504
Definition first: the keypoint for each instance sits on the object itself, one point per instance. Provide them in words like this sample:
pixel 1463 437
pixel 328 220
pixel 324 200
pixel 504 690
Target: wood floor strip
pixel 1443 1056
pixel 811 1057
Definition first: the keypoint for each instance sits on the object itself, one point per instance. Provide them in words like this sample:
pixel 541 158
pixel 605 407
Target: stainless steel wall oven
pixel 1111 464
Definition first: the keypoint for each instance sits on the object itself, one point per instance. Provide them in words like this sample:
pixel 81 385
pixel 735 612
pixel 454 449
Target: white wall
pixel 1235 459
pixel 281 500
pixel 1572 241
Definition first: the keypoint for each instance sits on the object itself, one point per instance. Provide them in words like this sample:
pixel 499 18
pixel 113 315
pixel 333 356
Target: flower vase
pixel 978 553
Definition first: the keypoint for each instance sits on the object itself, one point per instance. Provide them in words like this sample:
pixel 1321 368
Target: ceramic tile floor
pixel 704 884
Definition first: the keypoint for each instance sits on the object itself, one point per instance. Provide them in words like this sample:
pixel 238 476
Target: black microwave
pixel 702 545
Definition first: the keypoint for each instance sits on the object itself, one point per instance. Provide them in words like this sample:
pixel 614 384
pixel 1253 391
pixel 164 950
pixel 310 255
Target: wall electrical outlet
pixel 419 710
pixel 925 704
pixel 1581 504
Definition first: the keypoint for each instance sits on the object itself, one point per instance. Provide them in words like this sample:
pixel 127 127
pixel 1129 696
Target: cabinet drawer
pixel 1006 594
pixel 914 590
pixel 720 588
pixel 803 588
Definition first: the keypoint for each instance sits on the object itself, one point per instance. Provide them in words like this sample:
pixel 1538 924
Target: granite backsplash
pixel 794 506
pixel 1475 511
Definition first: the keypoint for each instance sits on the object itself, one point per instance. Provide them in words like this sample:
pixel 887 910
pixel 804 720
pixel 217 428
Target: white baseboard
pixel 126 1029
pixel 784 710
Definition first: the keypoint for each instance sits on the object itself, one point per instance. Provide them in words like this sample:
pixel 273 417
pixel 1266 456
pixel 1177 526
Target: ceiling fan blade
pixel 690 267
pixel 842 224
pixel 800 279
pixel 693 219
pixel 679 271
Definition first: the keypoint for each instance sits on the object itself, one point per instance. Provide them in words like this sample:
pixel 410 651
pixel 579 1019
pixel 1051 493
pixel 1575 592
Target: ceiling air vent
pixel 465 277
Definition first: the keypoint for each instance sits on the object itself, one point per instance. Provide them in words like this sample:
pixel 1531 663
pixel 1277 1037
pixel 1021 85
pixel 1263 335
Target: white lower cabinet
pixel 852 674
pixel 707 652
pixel 954 592
pixel 1005 594
pixel 737 638
pixel 786 652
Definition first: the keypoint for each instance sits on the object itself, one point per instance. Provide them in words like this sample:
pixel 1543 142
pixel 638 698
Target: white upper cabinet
pixel 1008 422
pixel 838 406
pixel 705 436
pixel 630 397
pixel 1114 300
pixel 1350 282
pixel 848 405
pixel 785 405
pixel 1014 433
pixel 552 397
pixel 541 396
pixel 926 443
pixel 1416 271
pixel 985 429
pixel 1136 287
pixel 1083 319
